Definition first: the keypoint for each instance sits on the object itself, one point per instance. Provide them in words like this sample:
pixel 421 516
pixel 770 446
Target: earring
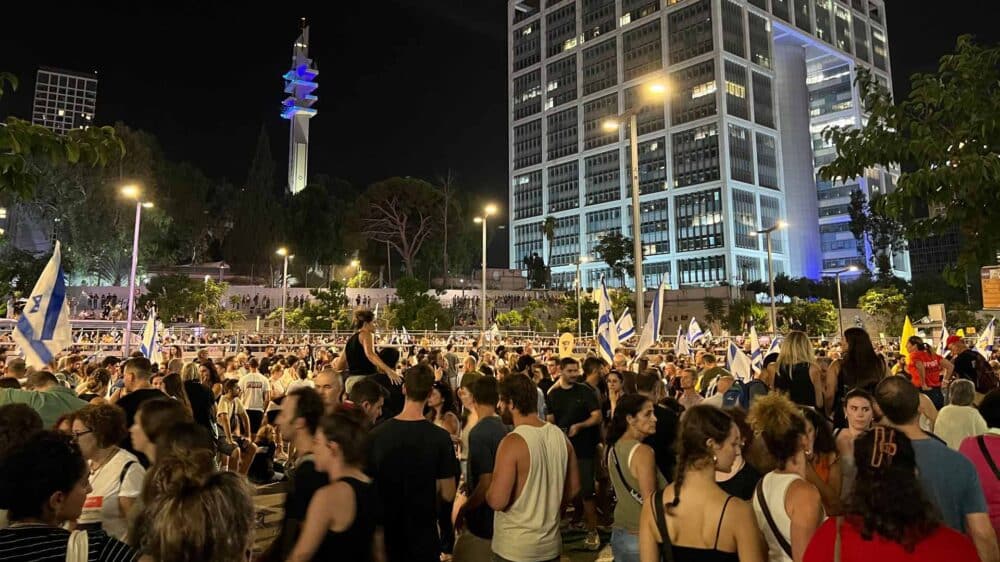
pixel 715 460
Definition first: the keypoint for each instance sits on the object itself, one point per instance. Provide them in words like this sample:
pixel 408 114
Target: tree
pixel 887 305
pixel 549 232
pixel 23 144
pixel 179 298
pixel 715 311
pixel 872 227
pixel 402 212
pixel 316 216
pixel 744 313
pixel 616 250
pixel 537 272
pixel 415 309
pixel 327 310
pixel 946 137
pixel 588 313
pixel 362 279
pixel 961 317
pixel 256 228
pixel 19 270
pixel 813 316
pixel 448 198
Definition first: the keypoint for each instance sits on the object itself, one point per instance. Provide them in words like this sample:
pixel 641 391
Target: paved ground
pixel 270 500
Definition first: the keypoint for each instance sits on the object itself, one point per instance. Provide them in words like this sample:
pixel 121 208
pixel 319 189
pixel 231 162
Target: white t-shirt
pixel 300 384
pixel 256 390
pixel 277 390
pixel 232 409
pixel 110 482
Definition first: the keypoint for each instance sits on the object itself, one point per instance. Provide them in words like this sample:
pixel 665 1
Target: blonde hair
pixel 780 424
pixel 189 372
pixel 795 348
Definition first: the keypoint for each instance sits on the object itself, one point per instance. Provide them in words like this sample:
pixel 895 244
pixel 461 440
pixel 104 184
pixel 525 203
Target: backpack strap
pixel 636 495
pixel 986 454
pixel 782 542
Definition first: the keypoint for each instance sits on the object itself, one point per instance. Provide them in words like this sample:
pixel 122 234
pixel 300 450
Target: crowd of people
pixel 427 454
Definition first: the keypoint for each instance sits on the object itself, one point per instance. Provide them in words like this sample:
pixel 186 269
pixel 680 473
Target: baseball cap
pixel 952 339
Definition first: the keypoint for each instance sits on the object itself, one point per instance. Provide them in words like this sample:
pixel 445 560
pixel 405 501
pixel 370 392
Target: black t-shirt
pixel 406 459
pixel 393 404
pixel 664 439
pixel 574 405
pixel 303 481
pixel 201 403
pixel 743 484
pixel 130 403
pixel 484 440
pixel 965 365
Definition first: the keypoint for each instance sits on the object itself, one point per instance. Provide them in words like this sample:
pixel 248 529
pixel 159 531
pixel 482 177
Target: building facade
pixel 734 146
pixel 64 99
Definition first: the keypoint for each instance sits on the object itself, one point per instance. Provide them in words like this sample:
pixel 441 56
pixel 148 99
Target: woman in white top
pixel 959 419
pixel 788 508
pixel 115 474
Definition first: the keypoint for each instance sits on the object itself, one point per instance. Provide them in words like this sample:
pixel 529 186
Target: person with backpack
pixel 971 365
pixel 984 452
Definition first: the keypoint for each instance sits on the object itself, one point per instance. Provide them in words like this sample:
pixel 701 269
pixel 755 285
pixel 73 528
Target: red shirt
pixel 942 544
pixel 932 368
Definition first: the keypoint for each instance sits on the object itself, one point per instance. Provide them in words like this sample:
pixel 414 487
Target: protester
pixel 44 484
pixel 787 507
pixel 201 399
pixel 115 474
pixel 692 517
pixel 984 452
pixel 360 357
pixel 649 384
pixel 959 419
pixel 888 514
pixel 440 411
pixel 330 387
pixel 409 498
pixel 137 373
pixel 632 467
pixel 689 397
pixel 48 398
pixel 823 468
pixel 18 424
pixel 539 455
pixel 926 369
pixel 966 363
pixel 574 408
pixel 370 397
pixel 255 392
pixel 858 412
pixel 95 386
pixel 742 477
pixel 859 367
pixel 710 371
pixel 483 442
pixel 799 376
pixel 152 420
pixel 343 516
pixel 236 441
pixel 949 479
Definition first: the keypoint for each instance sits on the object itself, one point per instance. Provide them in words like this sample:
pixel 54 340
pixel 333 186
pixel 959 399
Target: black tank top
pixel 692 554
pixel 357 361
pixel 796 383
pixel 355 542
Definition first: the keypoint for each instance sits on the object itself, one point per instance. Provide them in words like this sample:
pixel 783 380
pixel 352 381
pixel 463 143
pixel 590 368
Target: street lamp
pixel 487 211
pixel 649 93
pixel 579 307
pixel 840 301
pixel 133 192
pixel 283 252
pixel 770 266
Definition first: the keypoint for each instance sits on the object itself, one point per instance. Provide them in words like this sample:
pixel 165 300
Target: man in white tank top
pixel 535 473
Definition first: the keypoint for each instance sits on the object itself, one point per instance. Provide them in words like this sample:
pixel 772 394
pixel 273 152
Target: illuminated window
pixel 736 90
pixel 694 89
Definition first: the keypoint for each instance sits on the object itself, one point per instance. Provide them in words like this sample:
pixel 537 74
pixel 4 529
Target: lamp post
pixel 770 267
pixel 283 252
pixel 133 192
pixel 579 306
pixel 840 300
pixel 487 211
pixel 652 91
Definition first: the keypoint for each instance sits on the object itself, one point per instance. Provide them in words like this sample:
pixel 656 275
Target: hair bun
pixel 184 470
pixel 773 413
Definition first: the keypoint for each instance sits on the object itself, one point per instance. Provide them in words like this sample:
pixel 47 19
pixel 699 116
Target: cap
pixel 952 339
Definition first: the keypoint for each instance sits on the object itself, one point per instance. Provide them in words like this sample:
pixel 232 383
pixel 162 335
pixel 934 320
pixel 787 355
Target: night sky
pixel 407 87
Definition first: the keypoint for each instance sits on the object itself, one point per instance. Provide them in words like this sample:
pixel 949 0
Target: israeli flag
pixel 694 332
pixel 739 363
pixel 404 338
pixel 942 347
pixel 375 313
pixel 651 331
pixel 681 345
pixel 150 346
pixel 607 332
pixel 625 326
pixel 756 353
pixel 495 331
pixel 775 345
pixel 984 345
pixel 43 329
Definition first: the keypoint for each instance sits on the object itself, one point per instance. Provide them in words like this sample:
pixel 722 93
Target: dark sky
pixel 407 87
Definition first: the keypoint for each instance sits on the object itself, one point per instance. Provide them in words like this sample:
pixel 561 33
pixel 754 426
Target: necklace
pixel 96 466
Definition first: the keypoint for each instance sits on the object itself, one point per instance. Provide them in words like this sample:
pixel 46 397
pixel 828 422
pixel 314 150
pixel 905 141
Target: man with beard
pixel 534 474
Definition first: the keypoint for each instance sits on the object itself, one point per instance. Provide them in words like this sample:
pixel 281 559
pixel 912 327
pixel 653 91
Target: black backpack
pixel 986 379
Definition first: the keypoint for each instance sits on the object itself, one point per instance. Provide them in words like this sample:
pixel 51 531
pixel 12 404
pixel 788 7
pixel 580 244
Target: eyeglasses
pixel 77 434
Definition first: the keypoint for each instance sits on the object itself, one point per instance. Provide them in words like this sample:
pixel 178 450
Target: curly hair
pixel 628 405
pixel 106 421
pixel 699 424
pixel 779 423
pixel 888 499
pixel 18 424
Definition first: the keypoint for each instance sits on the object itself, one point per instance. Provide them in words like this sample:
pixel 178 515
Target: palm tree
pixel 549 231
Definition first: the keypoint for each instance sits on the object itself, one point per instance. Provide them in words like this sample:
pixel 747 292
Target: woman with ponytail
pixel 693 517
pixel 926 369
pixel 632 468
pixel 341 523
pixel 888 515
pixel 787 507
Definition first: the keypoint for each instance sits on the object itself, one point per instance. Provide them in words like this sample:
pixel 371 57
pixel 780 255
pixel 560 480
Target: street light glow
pixel 852 268
pixel 491 209
pixel 147 204
pixel 355 263
pixel 282 251
pixel 477 220
pixel 658 87
pixel 584 259
pixel 130 191
pixel 610 125
pixel 781 224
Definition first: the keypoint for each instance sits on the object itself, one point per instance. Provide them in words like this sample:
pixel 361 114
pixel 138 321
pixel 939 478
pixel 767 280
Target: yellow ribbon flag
pixel 960 333
pixel 908 332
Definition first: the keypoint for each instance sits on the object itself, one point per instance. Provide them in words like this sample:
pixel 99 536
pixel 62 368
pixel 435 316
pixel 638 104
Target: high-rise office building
pixel 64 100
pixel 733 148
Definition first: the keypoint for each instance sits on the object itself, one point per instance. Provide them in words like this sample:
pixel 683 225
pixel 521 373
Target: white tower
pixel 300 81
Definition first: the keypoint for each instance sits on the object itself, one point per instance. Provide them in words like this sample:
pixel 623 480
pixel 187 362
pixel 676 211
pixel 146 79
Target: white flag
pixel 43 328
pixel 607 333
pixel 651 331
pixel 625 326
pixel 404 338
pixel 149 346
pixel 756 353
pixel 942 345
pixel 739 363
pixel 984 345
pixel 681 346
pixel 694 332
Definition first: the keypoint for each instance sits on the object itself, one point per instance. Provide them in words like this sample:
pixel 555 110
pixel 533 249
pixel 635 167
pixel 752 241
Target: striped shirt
pixel 41 543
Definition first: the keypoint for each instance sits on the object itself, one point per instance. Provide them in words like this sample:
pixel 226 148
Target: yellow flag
pixel 908 331
pixel 960 333
pixel 566 343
